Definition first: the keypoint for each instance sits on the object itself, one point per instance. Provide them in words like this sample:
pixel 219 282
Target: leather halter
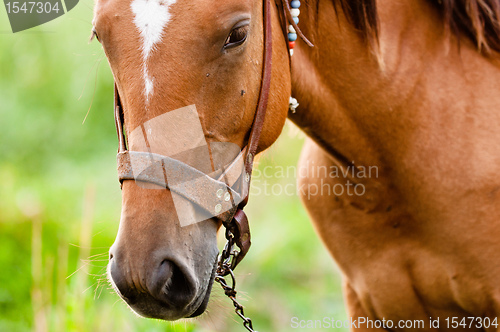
pixel 202 191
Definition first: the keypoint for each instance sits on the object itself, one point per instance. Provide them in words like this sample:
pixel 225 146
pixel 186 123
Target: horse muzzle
pixel 167 290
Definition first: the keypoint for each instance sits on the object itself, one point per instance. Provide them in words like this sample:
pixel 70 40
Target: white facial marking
pixel 151 17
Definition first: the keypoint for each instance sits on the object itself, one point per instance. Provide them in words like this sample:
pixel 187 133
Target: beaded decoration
pixel 292 37
pixel 292 34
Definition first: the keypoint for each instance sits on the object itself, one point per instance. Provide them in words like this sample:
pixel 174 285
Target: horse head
pixel 188 77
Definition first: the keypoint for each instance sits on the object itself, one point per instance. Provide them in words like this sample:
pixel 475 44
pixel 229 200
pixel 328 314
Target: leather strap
pixel 239 224
pixel 119 122
pixel 186 181
pixel 260 114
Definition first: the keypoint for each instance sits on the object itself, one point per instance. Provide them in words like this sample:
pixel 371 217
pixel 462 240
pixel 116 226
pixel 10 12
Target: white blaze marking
pixel 151 17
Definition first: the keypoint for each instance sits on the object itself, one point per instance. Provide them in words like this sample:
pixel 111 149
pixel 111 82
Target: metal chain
pixel 224 268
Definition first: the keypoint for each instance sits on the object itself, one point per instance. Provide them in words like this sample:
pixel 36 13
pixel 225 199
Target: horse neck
pixel 370 106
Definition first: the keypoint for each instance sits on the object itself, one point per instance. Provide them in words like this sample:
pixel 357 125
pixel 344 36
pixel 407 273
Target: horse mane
pixel 362 14
pixel 478 20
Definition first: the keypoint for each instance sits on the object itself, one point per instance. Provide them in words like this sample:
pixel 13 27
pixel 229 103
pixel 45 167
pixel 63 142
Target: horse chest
pixel 398 266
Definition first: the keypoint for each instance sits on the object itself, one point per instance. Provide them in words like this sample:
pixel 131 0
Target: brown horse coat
pixel 397 85
pixel 423 241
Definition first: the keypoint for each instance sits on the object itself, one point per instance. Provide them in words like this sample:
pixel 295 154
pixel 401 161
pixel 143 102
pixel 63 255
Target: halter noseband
pixel 233 218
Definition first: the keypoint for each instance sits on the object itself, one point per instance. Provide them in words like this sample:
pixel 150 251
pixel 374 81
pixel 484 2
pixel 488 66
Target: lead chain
pixel 223 269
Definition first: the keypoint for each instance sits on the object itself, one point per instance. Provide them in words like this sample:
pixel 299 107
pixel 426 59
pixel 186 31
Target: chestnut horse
pixel 409 87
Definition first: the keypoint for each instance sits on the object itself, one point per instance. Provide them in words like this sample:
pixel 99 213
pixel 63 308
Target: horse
pixel 408 87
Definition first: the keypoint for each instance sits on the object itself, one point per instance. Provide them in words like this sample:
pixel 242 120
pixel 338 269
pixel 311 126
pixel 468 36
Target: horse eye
pixel 94 35
pixel 236 37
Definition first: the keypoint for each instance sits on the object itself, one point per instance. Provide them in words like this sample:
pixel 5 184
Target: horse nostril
pixel 111 252
pixel 152 285
pixel 171 285
pixel 165 273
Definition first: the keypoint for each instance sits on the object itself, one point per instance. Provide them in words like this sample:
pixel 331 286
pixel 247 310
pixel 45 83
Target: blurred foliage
pixel 60 203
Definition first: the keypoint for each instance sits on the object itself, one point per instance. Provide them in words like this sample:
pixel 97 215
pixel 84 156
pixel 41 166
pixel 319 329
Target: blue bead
pixel 295 4
pixel 292 36
pixel 296 20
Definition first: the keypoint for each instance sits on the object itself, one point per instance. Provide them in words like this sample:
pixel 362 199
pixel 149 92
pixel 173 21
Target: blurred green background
pixel 60 202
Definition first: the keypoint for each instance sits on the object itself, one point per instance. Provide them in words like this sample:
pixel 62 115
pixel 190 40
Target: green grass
pixel 60 203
